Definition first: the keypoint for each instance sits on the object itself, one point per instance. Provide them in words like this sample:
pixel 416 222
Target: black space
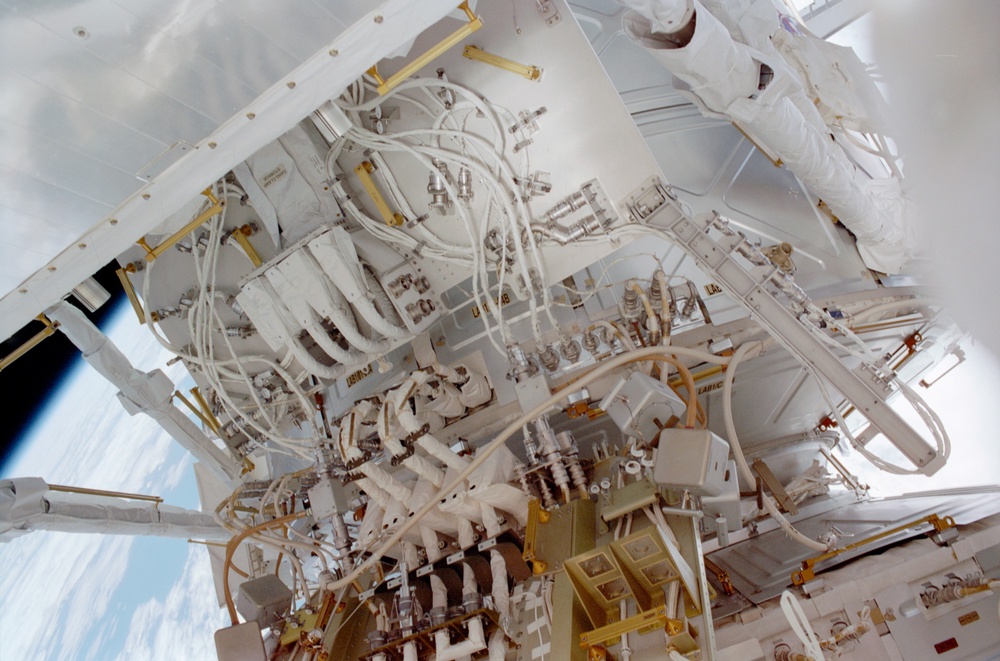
pixel 26 385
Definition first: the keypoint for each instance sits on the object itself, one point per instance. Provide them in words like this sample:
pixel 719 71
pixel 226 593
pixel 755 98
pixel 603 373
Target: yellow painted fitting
pixel 241 235
pixel 364 171
pixel 597 653
pixel 213 422
pixel 101 492
pixel 145 245
pixel 674 627
pixel 529 71
pixel 386 84
pixel 130 292
pixel 217 206
pixel 35 340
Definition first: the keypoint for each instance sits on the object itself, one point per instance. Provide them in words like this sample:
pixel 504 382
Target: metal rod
pixel 217 206
pixel 209 417
pixel 364 172
pixel 132 297
pixel 194 409
pixel 386 84
pixel 35 340
pixel 206 543
pixel 101 492
pixel 529 71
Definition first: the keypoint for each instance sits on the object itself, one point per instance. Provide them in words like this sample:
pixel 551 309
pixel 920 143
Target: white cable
pixel 487 450
pixel 800 625
pixel 741 462
pixel 373 141
pixel 475 241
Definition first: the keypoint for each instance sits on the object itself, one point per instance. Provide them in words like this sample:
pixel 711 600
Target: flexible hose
pixel 231 547
pixel 602 370
pixel 741 462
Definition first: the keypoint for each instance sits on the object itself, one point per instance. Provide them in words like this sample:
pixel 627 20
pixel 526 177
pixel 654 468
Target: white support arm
pixel 27 504
pixel 149 392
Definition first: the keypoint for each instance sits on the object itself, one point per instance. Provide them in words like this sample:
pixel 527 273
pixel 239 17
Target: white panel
pixel 67 68
pixel 67 120
pixel 55 85
pixel 774 197
pixel 715 142
pixel 300 33
pixel 55 208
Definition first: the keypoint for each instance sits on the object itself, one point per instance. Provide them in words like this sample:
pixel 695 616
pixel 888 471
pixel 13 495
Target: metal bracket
pixel 548 12
pixel 774 486
pixel 653 618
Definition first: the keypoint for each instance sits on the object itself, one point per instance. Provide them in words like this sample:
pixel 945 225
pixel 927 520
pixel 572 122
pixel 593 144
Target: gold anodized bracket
pixel 652 618
pixel 536 516
pixel 240 235
pixel 35 340
pixel 101 492
pixel 808 571
pixel 194 409
pixel 529 71
pixel 217 206
pixel 387 84
pixel 213 422
pixel 133 298
pixel 364 171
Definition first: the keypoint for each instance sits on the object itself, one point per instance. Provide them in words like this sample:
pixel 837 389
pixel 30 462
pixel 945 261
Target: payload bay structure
pixel 521 330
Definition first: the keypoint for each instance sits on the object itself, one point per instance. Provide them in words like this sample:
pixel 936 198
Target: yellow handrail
pixel 386 84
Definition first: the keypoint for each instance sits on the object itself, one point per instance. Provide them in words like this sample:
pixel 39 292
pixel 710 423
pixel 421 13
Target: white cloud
pixel 183 625
pixel 56 588
pixel 177 472
pixel 56 577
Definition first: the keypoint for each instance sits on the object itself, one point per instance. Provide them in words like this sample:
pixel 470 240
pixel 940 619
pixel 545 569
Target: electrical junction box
pixel 263 600
pixel 241 642
pixel 327 498
pixel 641 406
pixel 692 459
